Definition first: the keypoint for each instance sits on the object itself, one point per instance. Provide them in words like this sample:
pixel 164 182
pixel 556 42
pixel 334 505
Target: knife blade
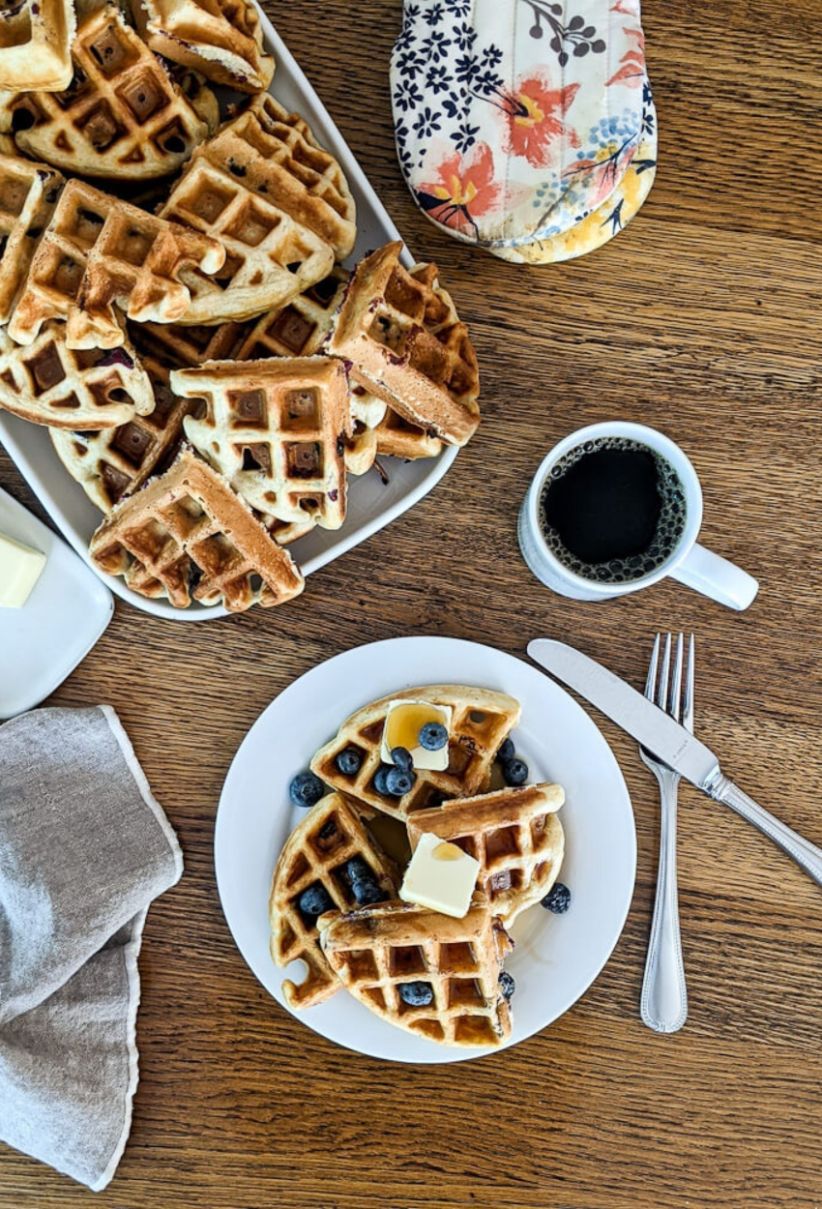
pixel 654 729
pixel 668 741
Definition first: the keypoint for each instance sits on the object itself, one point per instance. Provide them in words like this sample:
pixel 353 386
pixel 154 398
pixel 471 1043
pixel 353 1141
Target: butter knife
pixel 668 741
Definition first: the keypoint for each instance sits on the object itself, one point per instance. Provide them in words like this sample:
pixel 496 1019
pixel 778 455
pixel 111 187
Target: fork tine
pixel 676 683
pixel 650 680
pixel 662 694
pixel 688 700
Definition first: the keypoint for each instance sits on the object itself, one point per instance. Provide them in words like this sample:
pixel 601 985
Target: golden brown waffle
pixel 220 38
pixel 121 115
pixel 276 154
pixel 480 721
pixel 270 257
pixel 298 330
pixel 48 383
pixel 28 194
pixel 402 335
pixel 375 950
pixel 316 852
pixel 399 439
pixel 34 45
pixel 112 463
pixel 276 429
pixel 168 346
pixel 96 252
pixel 515 835
pixel 187 535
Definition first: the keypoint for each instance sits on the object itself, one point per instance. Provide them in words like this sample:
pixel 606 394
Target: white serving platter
pixel 67 611
pixel 372 504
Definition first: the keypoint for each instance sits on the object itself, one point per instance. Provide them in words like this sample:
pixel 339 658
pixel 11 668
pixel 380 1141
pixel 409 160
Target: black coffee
pixel 612 510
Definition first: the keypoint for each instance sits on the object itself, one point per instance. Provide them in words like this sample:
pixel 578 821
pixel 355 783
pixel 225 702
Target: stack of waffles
pixel 376 945
pixel 175 306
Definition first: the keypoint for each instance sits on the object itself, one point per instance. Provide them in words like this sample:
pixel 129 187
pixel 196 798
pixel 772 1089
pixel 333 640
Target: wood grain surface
pixel 702 318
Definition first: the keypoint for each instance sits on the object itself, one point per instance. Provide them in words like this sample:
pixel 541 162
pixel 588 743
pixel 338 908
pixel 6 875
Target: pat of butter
pixel 403 723
pixel 441 876
pixel 20 568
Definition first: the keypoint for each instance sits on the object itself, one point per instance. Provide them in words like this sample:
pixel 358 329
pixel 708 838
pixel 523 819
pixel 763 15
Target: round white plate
pixel 557 956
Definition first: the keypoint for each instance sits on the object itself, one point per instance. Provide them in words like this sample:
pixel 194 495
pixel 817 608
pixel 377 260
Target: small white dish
pixel 557 956
pixel 67 611
pixel 371 504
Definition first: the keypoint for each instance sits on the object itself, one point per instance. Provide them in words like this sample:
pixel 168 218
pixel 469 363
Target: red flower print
pixel 534 114
pixel 464 189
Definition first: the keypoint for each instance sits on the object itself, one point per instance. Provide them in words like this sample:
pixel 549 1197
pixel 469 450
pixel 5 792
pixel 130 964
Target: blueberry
pixel 349 761
pixel 433 736
pixel 401 757
pixel 417 994
pixel 558 899
pixel 380 777
pixel 356 869
pixel 506 751
pixel 515 772
pixel 398 782
pixel 306 789
pixel 315 900
pixel 507 985
pixel 366 891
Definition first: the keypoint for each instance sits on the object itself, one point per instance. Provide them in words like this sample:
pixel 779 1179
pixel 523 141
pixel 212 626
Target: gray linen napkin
pixel 84 848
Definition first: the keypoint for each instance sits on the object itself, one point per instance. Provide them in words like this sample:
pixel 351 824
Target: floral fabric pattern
pixel 515 120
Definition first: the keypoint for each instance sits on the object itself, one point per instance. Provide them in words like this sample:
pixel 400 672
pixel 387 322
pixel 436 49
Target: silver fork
pixel 664 1000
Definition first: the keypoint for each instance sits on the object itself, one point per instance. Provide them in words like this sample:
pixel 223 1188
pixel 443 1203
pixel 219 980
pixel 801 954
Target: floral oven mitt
pixel 525 126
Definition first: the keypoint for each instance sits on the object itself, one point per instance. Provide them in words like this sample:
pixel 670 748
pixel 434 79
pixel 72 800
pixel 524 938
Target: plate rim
pixel 440 1055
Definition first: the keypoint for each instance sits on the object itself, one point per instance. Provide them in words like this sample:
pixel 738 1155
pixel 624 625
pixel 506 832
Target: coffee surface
pixel 612 510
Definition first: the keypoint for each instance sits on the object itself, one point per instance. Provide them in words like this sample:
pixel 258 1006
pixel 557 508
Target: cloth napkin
pixel 84 848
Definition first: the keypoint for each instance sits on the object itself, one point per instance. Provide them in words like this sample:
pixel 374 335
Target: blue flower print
pixel 407 96
pixel 426 123
pixel 437 46
pixel 491 56
pixel 466 68
pixel 434 15
pixel 410 62
pixel 438 80
pixel 465 136
pixel 460 8
pixel 465 37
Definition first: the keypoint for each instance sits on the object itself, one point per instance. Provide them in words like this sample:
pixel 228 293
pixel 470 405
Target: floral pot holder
pixel 526 127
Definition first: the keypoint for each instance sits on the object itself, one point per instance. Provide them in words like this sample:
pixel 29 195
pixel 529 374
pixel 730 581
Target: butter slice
pixel 20 568
pixel 441 877
pixel 435 761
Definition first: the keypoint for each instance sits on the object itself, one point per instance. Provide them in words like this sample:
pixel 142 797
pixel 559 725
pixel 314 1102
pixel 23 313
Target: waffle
pixel 405 342
pixel 121 115
pixel 276 429
pixel 34 46
pixel 515 835
pixel 48 383
pixel 270 257
pixel 28 193
pixel 96 252
pixel 223 40
pixel 397 438
pixel 186 534
pixel 317 850
pixel 374 950
pixel 168 346
pixel 114 462
pixel 277 155
pixel 480 721
pixel 298 329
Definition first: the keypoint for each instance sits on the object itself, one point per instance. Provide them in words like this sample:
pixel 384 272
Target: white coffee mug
pixel 688 562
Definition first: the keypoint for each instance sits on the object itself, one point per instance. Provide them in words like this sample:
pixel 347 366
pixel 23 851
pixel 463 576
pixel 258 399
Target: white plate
pixel 67 611
pixel 557 956
pixel 371 505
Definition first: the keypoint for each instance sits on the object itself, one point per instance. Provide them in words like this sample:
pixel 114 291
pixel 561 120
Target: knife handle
pixel 806 854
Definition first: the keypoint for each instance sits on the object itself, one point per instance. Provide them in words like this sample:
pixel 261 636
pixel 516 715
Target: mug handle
pixel 716 577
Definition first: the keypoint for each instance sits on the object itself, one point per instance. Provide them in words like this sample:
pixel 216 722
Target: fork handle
pixel 664 1001
pixel 806 854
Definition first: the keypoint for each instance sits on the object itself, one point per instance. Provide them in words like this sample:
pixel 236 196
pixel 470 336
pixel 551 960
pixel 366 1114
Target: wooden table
pixel 702 319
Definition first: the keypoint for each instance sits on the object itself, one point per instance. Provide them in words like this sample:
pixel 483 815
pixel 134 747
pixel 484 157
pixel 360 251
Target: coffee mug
pixel 687 561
